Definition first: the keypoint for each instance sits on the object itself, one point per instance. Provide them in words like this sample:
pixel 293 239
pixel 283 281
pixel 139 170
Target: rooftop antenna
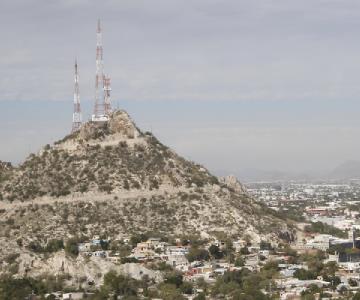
pixel 76 124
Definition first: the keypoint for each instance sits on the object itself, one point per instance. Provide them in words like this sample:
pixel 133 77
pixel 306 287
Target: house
pixel 320 242
pixel 321 210
pixel 287 270
pixel 220 271
pixel 350 267
pixel 101 254
pixel 73 296
pixel 176 250
pixel 264 253
pixel 205 271
pixel 143 251
pixel 179 262
pixel 96 241
pixel 154 242
pixel 57 295
pixel 239 244
pixel 84 247
pixel 294 295
pixel 292 283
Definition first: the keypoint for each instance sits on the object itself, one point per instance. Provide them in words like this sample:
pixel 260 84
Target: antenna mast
pixel 99 107
pixel 107 90
pixel 76 124
pixel 102 108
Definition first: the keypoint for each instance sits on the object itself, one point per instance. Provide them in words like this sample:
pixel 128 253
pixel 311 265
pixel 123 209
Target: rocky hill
pixel 108 157
pixel 5 172
pixel 111 179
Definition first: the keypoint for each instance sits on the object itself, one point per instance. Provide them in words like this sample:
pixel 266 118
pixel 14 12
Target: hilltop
pixel 103 157
pixel 112 179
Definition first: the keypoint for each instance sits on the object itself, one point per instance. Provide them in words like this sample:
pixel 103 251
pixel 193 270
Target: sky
pixel 236 85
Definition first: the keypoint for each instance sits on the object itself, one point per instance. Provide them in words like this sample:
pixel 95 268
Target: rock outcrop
pixel 233 183
pixel 5 166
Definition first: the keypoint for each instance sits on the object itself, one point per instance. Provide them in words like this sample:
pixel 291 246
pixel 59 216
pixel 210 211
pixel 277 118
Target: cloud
pixel 278 78
pixel 295 148
pixel 175 50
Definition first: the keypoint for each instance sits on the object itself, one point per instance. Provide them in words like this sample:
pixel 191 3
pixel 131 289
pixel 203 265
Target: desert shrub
pixel 54 245
pixel 71 247
pixel 35 246
pixel 11 258
pixel 125 260
pixel 319 227
pixel 120 285
pixel 19 242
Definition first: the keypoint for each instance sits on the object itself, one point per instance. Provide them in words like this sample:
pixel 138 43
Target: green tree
pixel 216 252
pixel 187 288
pixel 200 296
pixel 352 282
pixel 319 227
pixel 308 297
pixel 104 245
pixel 120 285
pixel 334 281
pixel 100 295
pixel 174 278
pixel 196 253
pixel 239 262
pixel 169 292
pixel 330 268
pixel 265 245
pixel 20 288
pixel 303 274
pixel 138 238
pixel 244 251
pixel 71 247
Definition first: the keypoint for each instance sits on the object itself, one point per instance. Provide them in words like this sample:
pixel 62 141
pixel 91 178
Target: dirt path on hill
pixel 93 197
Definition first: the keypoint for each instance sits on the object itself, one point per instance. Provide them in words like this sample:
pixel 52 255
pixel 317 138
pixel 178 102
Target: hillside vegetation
pixel 103 158
pixel 115 181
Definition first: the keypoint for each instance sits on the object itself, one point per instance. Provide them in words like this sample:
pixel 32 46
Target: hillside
pixel 114 180
pixel 103 158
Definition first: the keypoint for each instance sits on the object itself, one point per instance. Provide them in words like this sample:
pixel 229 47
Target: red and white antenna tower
pixel 107 90
pixel 102 107
pixel 76 124
pixel 99 107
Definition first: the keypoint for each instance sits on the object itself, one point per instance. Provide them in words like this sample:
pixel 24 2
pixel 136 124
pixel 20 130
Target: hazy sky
pixel 233 84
